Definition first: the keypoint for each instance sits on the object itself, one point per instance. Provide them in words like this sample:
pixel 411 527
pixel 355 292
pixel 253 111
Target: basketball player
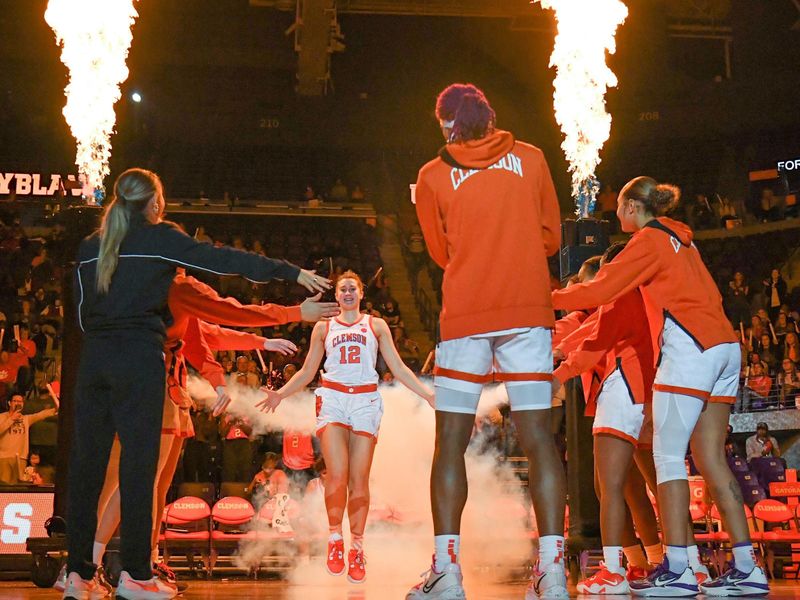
pixel 696 381
pixel 349 411
pixel 490 218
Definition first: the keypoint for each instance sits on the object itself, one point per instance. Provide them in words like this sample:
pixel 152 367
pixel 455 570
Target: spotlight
pixel 136 97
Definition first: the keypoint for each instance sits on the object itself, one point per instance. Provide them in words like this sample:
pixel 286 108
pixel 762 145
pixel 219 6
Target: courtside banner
pixel 23 515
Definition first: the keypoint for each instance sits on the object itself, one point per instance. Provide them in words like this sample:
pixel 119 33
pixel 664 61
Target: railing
pixel 780 397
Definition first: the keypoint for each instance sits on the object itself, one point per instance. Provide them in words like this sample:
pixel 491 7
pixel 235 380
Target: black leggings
pixel 120 390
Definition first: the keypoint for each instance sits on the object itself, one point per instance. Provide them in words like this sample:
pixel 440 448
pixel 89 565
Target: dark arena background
pixel 294 129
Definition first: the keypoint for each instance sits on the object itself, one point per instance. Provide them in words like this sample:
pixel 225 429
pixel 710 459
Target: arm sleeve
pixel 431 222
pixel 177 247
pixel 594 347
pixel 635 265
pixel 551 211
pixel 566 326
pixel 197 351
pixel 573 340
pixel 220 338
pixel 203 302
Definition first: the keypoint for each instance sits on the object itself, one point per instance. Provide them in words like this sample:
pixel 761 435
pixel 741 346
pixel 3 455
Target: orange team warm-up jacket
pixel 191 300
pixel 617 336
pixel 490 217
pixel 563 339
pixel 662 261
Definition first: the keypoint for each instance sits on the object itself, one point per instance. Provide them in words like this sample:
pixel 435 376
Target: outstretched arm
pixel 396 365
pixel 304 376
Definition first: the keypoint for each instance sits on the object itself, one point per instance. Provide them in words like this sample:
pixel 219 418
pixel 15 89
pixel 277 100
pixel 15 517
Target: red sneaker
pixel 335 564
pixel 604 582
pixel 356 566
pixel 635 573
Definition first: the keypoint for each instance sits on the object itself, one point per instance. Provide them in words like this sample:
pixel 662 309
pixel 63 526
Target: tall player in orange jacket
pixel 696 380
pixel 490 218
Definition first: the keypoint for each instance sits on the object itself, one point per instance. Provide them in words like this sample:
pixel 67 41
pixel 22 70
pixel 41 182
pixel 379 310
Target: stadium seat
pixel 205 490
pixel 231 517
pixel 188 527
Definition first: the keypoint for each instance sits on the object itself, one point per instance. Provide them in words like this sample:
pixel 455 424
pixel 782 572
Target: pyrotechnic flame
pixel 95 36
pixel 586 30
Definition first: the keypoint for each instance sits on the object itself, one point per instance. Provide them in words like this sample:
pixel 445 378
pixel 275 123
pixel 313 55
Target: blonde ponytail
pixel 133 190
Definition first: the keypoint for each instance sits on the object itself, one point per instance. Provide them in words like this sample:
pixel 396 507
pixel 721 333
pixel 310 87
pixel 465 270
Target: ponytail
pixel 468 112
pixel 658 198
pixel 133 191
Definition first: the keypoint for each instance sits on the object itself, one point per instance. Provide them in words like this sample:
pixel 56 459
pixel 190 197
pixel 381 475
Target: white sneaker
pixel 736 583
pixel 148 589
pixel 61 580
pixel 76 588
pixel 445 585
pixel 548 583
pixel 664 583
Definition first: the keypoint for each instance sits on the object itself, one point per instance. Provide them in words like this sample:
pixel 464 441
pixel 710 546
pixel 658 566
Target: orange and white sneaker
pixel 636 573
pixel 701 574
pixel 76 588
pixel 144 589
pixel 356 566
pixel 604 581
pixel 335 563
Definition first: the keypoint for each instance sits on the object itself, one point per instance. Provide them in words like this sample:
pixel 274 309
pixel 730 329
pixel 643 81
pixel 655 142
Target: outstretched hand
pixel 313 282
pixel 222 402
pixel 313 310
pixel 284 347
pixel 271 402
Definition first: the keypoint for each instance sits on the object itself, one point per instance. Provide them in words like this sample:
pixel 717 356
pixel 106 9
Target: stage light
pixel 136 97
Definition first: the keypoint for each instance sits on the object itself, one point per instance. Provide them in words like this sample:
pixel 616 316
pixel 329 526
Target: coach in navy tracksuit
pixel 123 277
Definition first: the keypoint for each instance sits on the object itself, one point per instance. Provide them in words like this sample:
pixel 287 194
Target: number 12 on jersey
pixel 350 355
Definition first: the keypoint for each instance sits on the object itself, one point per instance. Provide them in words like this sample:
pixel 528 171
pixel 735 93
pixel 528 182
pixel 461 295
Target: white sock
pixel 335 537
pixel 635 556
pixel 446 550
pixel 98 551
pixel 694 556
pixel 612 558
pixel 744 557
pixel 655 554
pixel 551 549
pixel 678 558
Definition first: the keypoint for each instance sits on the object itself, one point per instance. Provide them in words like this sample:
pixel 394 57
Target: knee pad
pixel 674 419
pixel 456 401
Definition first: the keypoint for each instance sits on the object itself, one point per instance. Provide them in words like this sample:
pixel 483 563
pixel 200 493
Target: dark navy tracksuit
pixel 121 378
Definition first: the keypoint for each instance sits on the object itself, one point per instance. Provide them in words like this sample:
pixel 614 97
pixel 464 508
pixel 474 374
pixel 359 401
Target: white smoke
pixel 399 536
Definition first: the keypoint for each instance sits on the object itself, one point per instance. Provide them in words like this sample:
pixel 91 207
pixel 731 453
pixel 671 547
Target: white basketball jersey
pixel 351 352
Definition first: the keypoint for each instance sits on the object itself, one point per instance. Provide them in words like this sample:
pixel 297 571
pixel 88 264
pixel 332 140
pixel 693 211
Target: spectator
pixel 418 252
pixel 759 385
pixel 407 348
pixel 775 292
pixel 298 459
pixel 339 192
pixel 391 315
pixel 269 481
pixel 358 194
pixel 731 449
pixel 14 437
pixel 756 328
pixel 237 451
pixel 782 327
pixel 755 360
pixel 289 371
pixel 762 443
pixel 726 211
pixel 791 347
pixel 197 452
pixel 201 236
pixel 738 300
pixel 242 367
pixel 789 384
pixel 769 352
pixel 369 309
pixel 253 375
pixel 769 206
pixel 31 474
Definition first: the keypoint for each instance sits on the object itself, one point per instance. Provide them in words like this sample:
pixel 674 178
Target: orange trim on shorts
pixel 350 389
pixel 462 375
pixel 615 433
pixel 523 377
pixel 722 399
pixel 675 389
pixel 349 428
